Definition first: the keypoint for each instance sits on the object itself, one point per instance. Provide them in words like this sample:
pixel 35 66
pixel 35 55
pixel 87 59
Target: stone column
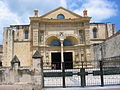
pixel 13 74
pixel 38 70
pixel 61 37
pixel 15 63
pixel 35 29
pixel 62 58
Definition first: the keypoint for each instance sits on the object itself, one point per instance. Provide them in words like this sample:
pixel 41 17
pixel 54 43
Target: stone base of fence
pixel 20 87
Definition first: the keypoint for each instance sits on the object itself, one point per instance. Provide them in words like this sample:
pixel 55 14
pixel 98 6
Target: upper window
pixel 55 43
pixel 67 43
pixel 26 32
pixel 94 32
pixel 60 16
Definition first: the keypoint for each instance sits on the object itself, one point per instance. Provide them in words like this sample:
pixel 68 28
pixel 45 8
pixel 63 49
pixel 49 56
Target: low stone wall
pixel 16 77
pixel 20 87
pixel 20 79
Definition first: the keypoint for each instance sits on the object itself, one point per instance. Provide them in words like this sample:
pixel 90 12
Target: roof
pixel 63 9
pixel 100 23
pixel 20 26
pixel 37 55
pixel 15 60
pixel 97 23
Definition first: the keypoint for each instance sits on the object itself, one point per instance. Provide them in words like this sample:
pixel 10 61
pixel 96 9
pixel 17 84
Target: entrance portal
pixel 56 60
pixel 68 59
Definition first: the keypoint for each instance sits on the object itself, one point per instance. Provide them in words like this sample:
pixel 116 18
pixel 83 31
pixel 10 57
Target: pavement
pixel 87 88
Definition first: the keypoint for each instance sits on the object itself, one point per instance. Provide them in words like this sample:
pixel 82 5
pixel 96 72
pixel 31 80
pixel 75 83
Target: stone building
pixel 59 35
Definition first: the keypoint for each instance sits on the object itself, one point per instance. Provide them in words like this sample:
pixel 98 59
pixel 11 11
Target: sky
pixel 17 12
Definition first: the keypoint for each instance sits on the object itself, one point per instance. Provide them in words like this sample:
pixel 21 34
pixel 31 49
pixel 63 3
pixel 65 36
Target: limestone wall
pixel 112 46
pixel 96 52
pixel 7 46
pixel 104 30
pixel 19 32
pixel 23 52
pixel 101 29
pixel 16 44
pixel 110 29
pixel 109 48
pixel 18 77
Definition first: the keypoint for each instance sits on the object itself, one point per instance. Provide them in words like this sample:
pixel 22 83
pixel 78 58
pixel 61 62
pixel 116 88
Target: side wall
pixel 109 48
pixel 23 52
pixel 112 46
pixel 16 44
pixel 104 30
pixel 7 46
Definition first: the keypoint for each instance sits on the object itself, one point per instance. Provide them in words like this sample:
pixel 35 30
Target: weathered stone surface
pixel 20 87
pixel 16 77
pixel 109 48
pixel 112 46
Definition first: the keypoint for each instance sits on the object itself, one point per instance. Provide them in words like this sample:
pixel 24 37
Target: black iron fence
pixel 90 73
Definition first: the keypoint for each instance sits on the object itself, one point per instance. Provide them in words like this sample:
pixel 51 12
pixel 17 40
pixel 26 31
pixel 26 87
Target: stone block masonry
pixel 17 77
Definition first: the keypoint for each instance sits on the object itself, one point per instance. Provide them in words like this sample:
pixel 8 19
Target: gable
pixel 67 14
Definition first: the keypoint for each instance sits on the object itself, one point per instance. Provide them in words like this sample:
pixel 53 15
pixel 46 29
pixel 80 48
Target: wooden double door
pixel 56 60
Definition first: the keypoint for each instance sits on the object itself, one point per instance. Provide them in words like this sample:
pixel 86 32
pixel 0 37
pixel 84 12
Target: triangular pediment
pixel 68 14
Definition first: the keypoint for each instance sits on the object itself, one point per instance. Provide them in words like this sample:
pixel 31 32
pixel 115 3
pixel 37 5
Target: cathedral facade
pixel 59 35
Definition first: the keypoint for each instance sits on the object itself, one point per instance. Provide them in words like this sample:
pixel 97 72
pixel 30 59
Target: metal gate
pixel 93 73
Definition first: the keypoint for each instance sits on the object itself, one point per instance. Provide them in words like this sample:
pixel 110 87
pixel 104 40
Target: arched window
pixel 55 43
pixel 60 16
pixel 67 43
pixel 94 32
pixel 26 34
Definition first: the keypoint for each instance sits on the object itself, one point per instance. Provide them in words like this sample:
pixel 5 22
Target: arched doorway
pixel 55 44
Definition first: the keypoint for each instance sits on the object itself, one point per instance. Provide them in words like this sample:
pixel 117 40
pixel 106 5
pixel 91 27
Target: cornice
pixel 16 41
pixel 38 19
pixel 97 39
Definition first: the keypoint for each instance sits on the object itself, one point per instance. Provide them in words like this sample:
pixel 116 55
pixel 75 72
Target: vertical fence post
pixel 101 73
pixel 63 73
pixel 42 72
pixel 83 80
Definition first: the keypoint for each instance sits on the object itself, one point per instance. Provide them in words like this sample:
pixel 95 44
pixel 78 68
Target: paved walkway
pixel 87 88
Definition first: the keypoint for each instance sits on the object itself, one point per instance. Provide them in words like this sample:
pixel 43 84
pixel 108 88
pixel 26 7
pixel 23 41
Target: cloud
pixel 6 18
pixel 19 11
pixel 63 3
pixel 99 10
pixel 27 6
